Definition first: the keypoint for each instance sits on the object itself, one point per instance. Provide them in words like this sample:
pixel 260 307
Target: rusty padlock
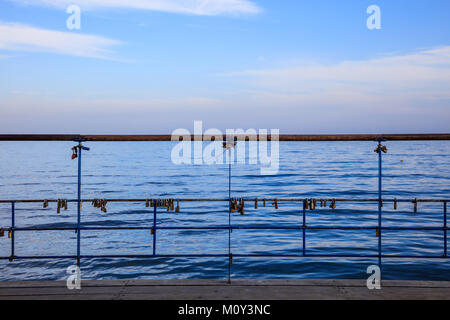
pixel 74 153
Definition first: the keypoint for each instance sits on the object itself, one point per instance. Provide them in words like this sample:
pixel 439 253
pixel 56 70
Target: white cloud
pixel 19 37
pixel 423 75
pixel 397 94
pixel 195 7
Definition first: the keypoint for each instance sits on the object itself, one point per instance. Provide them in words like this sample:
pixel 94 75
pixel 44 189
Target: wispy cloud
pixel 20 37
pixel 195 7
pixel 422 75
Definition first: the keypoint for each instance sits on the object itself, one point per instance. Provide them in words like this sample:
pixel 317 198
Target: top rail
pixel 241 137
pixel 268 200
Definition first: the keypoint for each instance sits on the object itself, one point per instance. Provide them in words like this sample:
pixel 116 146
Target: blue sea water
pixel 43 170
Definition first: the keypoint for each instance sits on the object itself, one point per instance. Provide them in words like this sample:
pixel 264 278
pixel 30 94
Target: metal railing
pixel 307 203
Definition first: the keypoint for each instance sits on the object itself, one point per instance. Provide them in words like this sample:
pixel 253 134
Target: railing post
pixel 228 144
pixel 79 148
pixel 304 227
pixel 154 226
pixel 78 208
pixel 229 216
pixel 13 226
pixel 380 149
pixel 445 228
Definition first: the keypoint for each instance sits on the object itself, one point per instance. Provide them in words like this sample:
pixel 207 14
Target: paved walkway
pixel 221 290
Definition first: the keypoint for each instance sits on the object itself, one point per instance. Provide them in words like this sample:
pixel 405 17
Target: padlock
pixel 152 231
pixel 74 153
pixel 65 204
pixel 275 203
pixel 311 204
pixel 395 204
pixel 381 147
pixel 256 203
pixel 264 202
pixel 45 205
pixel 2 232
pixel 103 205
pixel 242 210
pixel 147 203
pixel 58 208
pixel 378 232
pixel 415 205
pixel 306 204
pixel 333 204
pixel 9 234
pixel 232 210
pixel 177 209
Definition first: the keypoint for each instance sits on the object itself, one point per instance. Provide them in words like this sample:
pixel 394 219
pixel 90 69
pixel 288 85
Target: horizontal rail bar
pixel 137 256
pixel 282 137
pixel 227 200
pixel 234 228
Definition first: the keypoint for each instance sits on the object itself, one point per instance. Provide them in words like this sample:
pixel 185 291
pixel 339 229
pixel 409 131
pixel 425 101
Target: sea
pixel 124 170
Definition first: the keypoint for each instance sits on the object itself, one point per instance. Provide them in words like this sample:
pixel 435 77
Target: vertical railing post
pixel 154 226
pixel 380 149
pixel 304 228
pixel 79 149
pixel 445 228
pixel 380 204
pixel 228 144
pixel 13 226
pixel 229 216
pixel 78 206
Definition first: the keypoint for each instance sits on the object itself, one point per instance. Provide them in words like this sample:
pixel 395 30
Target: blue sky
pixel 151 66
